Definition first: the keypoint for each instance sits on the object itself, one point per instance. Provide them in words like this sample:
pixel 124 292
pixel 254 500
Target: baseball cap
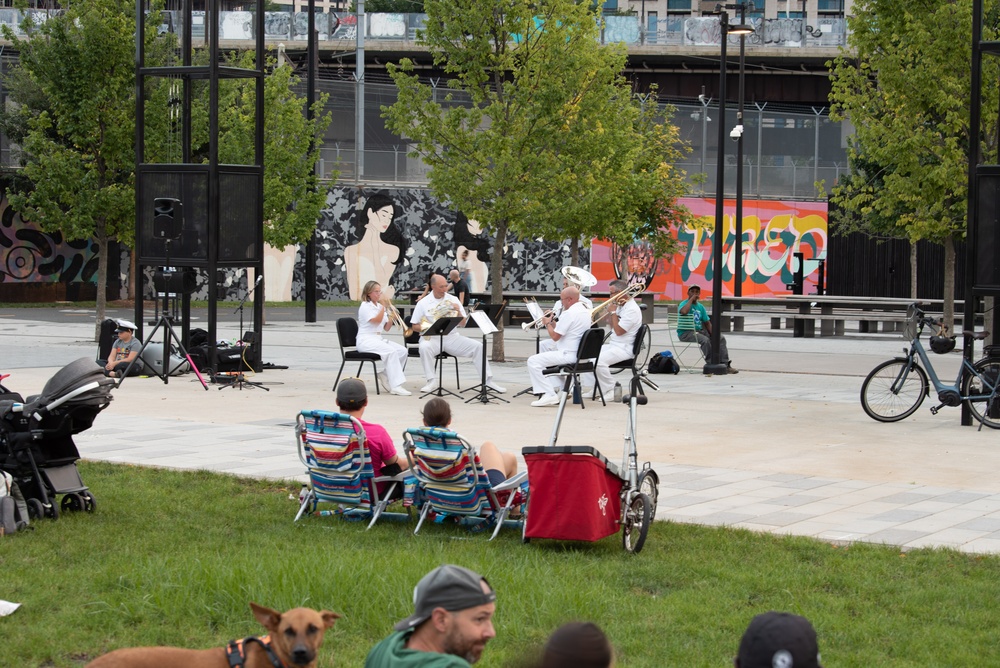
pixel 450 587
pixel 124 324
pixel 779 640
pixel 351 390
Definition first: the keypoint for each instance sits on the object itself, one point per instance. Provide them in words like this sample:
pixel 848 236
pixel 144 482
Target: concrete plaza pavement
pixel 783 446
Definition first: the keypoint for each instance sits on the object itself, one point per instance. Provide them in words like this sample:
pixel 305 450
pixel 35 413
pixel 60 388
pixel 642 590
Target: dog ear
pixel 329 618
pixel 268 618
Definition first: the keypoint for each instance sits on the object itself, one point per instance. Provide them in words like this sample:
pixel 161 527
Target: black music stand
pixel 485 393
pixel 239 380
pixel 441 327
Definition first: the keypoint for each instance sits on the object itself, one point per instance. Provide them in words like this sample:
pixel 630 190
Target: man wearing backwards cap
pixel 778 640
pixel 449 628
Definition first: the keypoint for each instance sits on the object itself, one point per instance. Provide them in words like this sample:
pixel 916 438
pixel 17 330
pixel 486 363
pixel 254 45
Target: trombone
pixel 634 290
pixel 395 317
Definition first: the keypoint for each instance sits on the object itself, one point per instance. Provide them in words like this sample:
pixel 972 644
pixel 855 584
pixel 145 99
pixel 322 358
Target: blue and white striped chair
pixel 334 450
pixel 451 480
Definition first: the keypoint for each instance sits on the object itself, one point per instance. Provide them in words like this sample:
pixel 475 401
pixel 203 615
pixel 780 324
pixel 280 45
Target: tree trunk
pixel 101 237
pixel 496 287
pixel 574 252
pixel 949 283
pixel 913 270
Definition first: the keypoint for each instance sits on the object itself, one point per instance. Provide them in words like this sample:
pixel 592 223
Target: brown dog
pixel 294 638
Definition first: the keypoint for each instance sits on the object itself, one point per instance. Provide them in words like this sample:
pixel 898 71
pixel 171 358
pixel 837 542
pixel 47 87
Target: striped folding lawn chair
pixel 451 481
pixel 334 450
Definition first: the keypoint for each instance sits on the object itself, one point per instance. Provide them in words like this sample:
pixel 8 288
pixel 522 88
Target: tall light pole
pixel 713 366
pixel 738 256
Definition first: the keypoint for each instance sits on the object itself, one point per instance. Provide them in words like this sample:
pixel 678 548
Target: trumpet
pixel 537 322
pixel 633 290
pixel 395 317
pixel 534 309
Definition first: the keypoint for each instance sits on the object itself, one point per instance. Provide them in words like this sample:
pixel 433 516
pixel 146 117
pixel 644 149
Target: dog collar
pixel 237 656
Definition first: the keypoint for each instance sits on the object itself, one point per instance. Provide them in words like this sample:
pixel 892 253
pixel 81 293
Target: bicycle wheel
pixel 638 515
pixel 887 399
pixel 649 484
pixel 983 384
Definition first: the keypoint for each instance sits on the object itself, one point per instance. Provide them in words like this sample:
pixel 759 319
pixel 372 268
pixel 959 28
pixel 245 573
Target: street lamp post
pixel 738 256
pixel 713 365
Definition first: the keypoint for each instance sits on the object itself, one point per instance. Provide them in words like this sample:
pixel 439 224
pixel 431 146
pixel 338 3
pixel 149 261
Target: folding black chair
pixel 347 335
pixel 586 362
pixel 640 353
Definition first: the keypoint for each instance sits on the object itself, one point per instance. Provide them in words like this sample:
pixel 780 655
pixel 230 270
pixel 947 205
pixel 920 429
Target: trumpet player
pixel 549 345
pixel 625 320
pixel 439 304
pixel 373 321
pixel 566 335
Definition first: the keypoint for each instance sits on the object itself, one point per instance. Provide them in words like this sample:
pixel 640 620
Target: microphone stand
pixel 240 379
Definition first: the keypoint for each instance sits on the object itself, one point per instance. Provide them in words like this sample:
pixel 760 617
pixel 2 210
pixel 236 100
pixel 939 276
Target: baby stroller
pixel 36 437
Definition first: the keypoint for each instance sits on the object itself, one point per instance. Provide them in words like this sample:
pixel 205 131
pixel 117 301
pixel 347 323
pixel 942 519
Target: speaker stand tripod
pixel 239 380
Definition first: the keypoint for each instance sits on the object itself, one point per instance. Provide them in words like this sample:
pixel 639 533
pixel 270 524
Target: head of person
pixel 694 291
pixel 465 254
pixel 578 645
pixel 778 639
pixel 453 276
pixel 125 329
pixel 617 285
pixel 379 211
pixel 453 612
pixel 437 413
pixel 569 296
pixel 439 286
pixel 371 292
pixel 352 395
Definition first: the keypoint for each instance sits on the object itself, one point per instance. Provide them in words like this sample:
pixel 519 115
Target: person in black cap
pixel 449 628
pixel 778 640
pixel 123 351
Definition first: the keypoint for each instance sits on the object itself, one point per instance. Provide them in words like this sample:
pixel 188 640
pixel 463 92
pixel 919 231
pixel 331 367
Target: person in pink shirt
pixel 352 399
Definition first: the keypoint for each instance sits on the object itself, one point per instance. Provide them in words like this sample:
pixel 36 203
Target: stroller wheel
pixel 90 502
pixel 73 502
pixel 36 510
pixel 53 509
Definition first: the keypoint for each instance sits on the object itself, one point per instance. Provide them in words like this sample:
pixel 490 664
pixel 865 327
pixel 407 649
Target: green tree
pixel 76 87
pixel 905 86
pixel 538 134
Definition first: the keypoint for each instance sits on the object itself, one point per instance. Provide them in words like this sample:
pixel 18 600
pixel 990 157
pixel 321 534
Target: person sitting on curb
pixel 125 349
pixel 692 306
pixel 352 399
pixel 778 639
pixel 449 628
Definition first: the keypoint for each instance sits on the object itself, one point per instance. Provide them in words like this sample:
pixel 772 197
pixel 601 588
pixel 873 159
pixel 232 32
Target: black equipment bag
pixel 107 338
pixel 664 362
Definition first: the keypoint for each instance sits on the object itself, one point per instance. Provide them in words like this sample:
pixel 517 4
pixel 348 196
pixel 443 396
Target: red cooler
pixel 574 493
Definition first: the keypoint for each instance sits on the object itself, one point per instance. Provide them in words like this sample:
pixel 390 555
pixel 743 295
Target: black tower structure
pixel 221 205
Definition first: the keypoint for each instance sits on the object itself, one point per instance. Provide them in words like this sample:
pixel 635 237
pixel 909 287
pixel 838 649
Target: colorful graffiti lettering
pixel 772 233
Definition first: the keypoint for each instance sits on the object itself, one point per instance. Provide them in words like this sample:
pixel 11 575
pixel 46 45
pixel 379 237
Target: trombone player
pixel 439 304
pixel 625 319
pixel 376 316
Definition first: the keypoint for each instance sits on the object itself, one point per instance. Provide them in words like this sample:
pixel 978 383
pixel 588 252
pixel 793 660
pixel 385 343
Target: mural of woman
pixel 379 246
pixel 472 247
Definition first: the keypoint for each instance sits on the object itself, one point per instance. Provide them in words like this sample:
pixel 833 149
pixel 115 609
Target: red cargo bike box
pixel 574 493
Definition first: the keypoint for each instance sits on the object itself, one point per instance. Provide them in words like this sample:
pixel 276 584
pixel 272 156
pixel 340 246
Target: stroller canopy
pixel 71 377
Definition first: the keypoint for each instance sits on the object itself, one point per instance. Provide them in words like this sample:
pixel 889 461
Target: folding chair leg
pixel 423 515
pixel 598 386
pixel 501 516
pixel 305 502
pixel 337 382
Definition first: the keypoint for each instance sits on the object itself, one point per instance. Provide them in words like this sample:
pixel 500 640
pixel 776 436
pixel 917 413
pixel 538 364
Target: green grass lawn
pixel 174 558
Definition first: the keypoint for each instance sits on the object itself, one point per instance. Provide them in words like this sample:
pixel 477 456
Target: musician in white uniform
pixel 373 321
pixel 571 277
pixel 625 321
pixel 566 334
pixel 436 305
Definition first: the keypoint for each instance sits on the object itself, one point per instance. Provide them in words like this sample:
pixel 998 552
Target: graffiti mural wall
pixel 398 237
pixel 28 255
pixel 772 232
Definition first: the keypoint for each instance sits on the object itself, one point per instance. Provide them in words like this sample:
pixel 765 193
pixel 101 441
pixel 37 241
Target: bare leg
pixel 492 458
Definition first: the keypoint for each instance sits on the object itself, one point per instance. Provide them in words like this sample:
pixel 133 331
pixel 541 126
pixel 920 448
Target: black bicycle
pixel 895 389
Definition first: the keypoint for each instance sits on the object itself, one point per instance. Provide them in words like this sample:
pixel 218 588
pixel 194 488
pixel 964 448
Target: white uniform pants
pixel 610 354
pixel 536 364
pixel 454 344
pixel 393 357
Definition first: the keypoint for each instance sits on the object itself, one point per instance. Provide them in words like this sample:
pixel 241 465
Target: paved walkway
pixel 782 447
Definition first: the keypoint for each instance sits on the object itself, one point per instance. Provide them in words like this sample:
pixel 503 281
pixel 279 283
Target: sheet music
pixel 535 310
pixel 483 322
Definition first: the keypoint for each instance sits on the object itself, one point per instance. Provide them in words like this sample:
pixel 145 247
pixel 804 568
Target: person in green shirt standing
pixel 449 628
pixel 692 305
